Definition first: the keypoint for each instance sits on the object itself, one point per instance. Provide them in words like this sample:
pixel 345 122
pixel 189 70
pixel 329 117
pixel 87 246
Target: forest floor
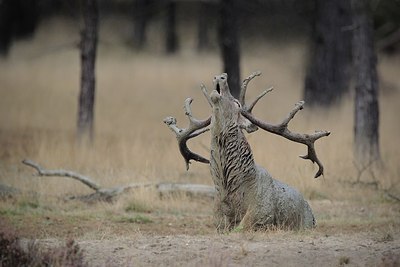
pixel 352 234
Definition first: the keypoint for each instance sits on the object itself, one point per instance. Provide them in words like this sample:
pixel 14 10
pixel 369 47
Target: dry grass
pixel 38 105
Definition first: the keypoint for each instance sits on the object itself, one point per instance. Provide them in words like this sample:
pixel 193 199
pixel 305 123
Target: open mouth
pixel 217 88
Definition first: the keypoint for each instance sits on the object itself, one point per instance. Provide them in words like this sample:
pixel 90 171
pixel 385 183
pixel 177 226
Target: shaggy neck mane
pixel 232 162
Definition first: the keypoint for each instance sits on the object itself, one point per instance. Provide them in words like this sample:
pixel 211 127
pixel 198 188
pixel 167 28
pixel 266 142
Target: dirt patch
pixel 348 233
pixel 276 249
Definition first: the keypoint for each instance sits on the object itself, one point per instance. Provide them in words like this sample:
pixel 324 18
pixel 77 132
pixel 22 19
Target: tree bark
pixel 229 43
pixel 203 41
pixel 88 59
pixel 141 14
pixel 18 19
pixel 366 113
pixel 171 41
pixel 6 26
pixel 328 72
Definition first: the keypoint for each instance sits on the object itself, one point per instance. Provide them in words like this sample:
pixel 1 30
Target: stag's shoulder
pixel 263 176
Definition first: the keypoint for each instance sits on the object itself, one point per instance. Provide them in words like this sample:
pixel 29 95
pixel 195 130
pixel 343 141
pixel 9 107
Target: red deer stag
pixel 247 197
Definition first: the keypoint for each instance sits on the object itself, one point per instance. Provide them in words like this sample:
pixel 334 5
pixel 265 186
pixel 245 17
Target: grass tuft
pixel 13 253
pixel 140 219
pixel 28 205
pixel 137 206
pixel 343 260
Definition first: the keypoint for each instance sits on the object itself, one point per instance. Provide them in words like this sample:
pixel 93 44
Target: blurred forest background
pixel 141 58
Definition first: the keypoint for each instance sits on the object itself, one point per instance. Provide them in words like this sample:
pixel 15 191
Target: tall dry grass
pixel 39 86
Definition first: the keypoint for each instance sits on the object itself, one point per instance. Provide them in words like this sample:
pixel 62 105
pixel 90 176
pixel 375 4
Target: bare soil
pixel 361 249
pixel 352 234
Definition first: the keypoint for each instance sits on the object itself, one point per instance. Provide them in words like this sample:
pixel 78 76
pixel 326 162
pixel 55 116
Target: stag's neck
pixel 232 163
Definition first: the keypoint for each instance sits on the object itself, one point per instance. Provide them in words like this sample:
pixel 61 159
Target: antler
pixel 195 128
pixel 282 128
pixel 242 96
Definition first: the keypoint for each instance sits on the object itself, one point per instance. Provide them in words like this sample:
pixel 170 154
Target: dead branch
pixel 109 194
pixel 62 173
pixel 392 196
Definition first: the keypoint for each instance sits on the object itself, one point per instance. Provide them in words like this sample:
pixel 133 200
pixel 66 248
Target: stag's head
pixel 226 108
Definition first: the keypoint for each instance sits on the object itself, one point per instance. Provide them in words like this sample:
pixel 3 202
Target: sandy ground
pixel 251 249
pixel 351 234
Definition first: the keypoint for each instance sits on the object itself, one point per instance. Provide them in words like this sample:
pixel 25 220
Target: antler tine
pixel 242 97
pixel 312 154
pixel 205 93
pixel 282 130
pixel 252 104
pixel 195 128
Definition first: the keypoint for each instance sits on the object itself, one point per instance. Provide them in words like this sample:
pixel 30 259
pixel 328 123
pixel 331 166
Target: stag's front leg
pixel 221 219
pixel 254 220
pixel 247 222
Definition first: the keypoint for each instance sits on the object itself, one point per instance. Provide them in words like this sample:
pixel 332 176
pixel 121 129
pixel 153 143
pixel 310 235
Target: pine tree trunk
pixel 366 120
pixel 328 74
pixel 6 26
pixel 141 14
pixel 171 42
pixel 203 41
pixel 18 19
pixel 229 43
pixel 88 59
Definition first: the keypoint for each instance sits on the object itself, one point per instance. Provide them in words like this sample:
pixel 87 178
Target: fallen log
pixel 110 194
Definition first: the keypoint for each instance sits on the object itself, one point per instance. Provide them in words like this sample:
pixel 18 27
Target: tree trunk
pixel 88 59
pixel 229 43
pixel 328 73
pixel 6 26
pixel 141 14
pixel 203 41
pixel 18 19
pixel 171 42
pixel 366 120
